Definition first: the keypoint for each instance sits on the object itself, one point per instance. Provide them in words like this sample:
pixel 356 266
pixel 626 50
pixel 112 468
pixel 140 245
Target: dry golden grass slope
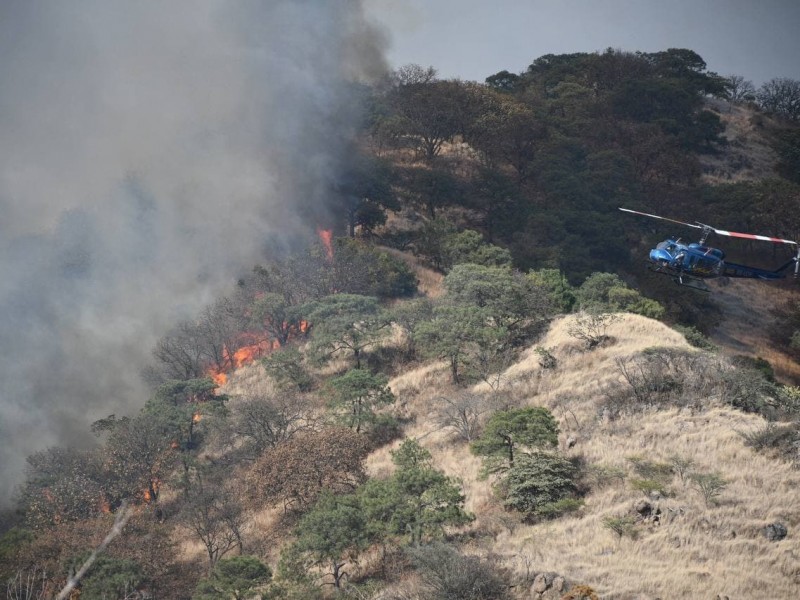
pixel 747 317
pixel 696 552
pixel 749 155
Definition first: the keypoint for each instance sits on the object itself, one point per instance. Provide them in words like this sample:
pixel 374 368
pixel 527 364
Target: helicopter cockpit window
pixel 668 247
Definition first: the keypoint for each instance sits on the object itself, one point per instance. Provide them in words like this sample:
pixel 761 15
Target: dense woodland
pixel 503 194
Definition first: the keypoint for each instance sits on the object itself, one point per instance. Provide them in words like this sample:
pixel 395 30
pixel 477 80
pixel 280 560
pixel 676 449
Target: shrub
pixel 622 526
pixel 447 574
pixel 546 358
pixel 590 328
pixel 695 337
pixel 710 486
pixel 581 592
pixel 780 440
pixel 538 484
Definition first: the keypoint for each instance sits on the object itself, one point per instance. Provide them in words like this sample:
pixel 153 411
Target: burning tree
pixel 138 455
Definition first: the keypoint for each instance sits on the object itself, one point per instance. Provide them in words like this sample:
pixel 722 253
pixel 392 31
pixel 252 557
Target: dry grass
pixel 697 551
pixel 748 156
pixel 430 281
pixel 747 319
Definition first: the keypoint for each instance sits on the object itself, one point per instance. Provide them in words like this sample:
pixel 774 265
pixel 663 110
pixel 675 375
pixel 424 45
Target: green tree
pixel 233 578
pixel 431 238
pixel 538 484
pixel 509 431
pixel 360 268
pixel 408 315
pixel 333 533
pixel 454 333
pixel 509 133
pixel 181 406
pixel 709 485
pixel 286 367
pixel 429 188
pixel 607 292
pixel 561 293
pixel 470 247
pixel 510 300
pixel 346 322
pixel 417 501
pixel 109 578
pixel 356 394
pixel 621 526
pixel 432 113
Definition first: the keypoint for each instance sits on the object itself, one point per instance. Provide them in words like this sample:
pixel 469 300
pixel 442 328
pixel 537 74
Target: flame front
pixel 252 351
pixel 326 237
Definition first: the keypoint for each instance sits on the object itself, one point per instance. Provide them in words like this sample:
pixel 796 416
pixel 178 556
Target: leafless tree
pixel 461 413
pixel 214 513
pixel 781 96
pixel 29 584
pixel 740 89
pixel 265 421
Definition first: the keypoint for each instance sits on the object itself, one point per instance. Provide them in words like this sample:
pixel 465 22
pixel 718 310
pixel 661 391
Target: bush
pixel 710 486
pixel 447 574
pixel 695 337
pixel 538 484
pixel 590 328
pixel 780 440
pixel 622 526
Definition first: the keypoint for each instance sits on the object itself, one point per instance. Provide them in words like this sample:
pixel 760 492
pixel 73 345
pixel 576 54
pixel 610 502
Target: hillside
pixel 691 551
pixel 462 381
pixel 694 552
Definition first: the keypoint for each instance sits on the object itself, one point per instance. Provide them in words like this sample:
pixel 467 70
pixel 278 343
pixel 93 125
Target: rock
pixel 559 584
pixel 775 532
pixel 571 441
pixel 539 584
pixel 644 508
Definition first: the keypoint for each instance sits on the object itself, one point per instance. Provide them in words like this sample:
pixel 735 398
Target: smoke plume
pixel 149 152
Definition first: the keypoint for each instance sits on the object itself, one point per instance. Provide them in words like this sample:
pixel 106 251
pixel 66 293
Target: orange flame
pixel 326 237
pixel 258 347
pixel 155 485
pixel 219 377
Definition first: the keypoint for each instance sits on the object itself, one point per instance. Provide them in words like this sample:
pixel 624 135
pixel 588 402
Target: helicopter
pixel 689 263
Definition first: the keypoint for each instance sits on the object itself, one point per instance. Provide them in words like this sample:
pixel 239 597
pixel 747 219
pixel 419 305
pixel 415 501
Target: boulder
pixel 775 532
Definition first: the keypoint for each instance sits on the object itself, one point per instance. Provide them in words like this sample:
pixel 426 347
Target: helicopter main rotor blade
pixel 750 236
pixel 636 212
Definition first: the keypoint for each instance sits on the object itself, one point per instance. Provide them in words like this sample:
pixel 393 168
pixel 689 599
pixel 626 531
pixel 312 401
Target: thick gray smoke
pixel 149 151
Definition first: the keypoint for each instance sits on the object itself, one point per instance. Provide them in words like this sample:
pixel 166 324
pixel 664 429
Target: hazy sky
pixel 471 39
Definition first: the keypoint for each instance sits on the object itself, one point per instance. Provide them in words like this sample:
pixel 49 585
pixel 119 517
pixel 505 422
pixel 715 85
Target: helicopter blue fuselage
pixel 696 260
pixel 693 259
